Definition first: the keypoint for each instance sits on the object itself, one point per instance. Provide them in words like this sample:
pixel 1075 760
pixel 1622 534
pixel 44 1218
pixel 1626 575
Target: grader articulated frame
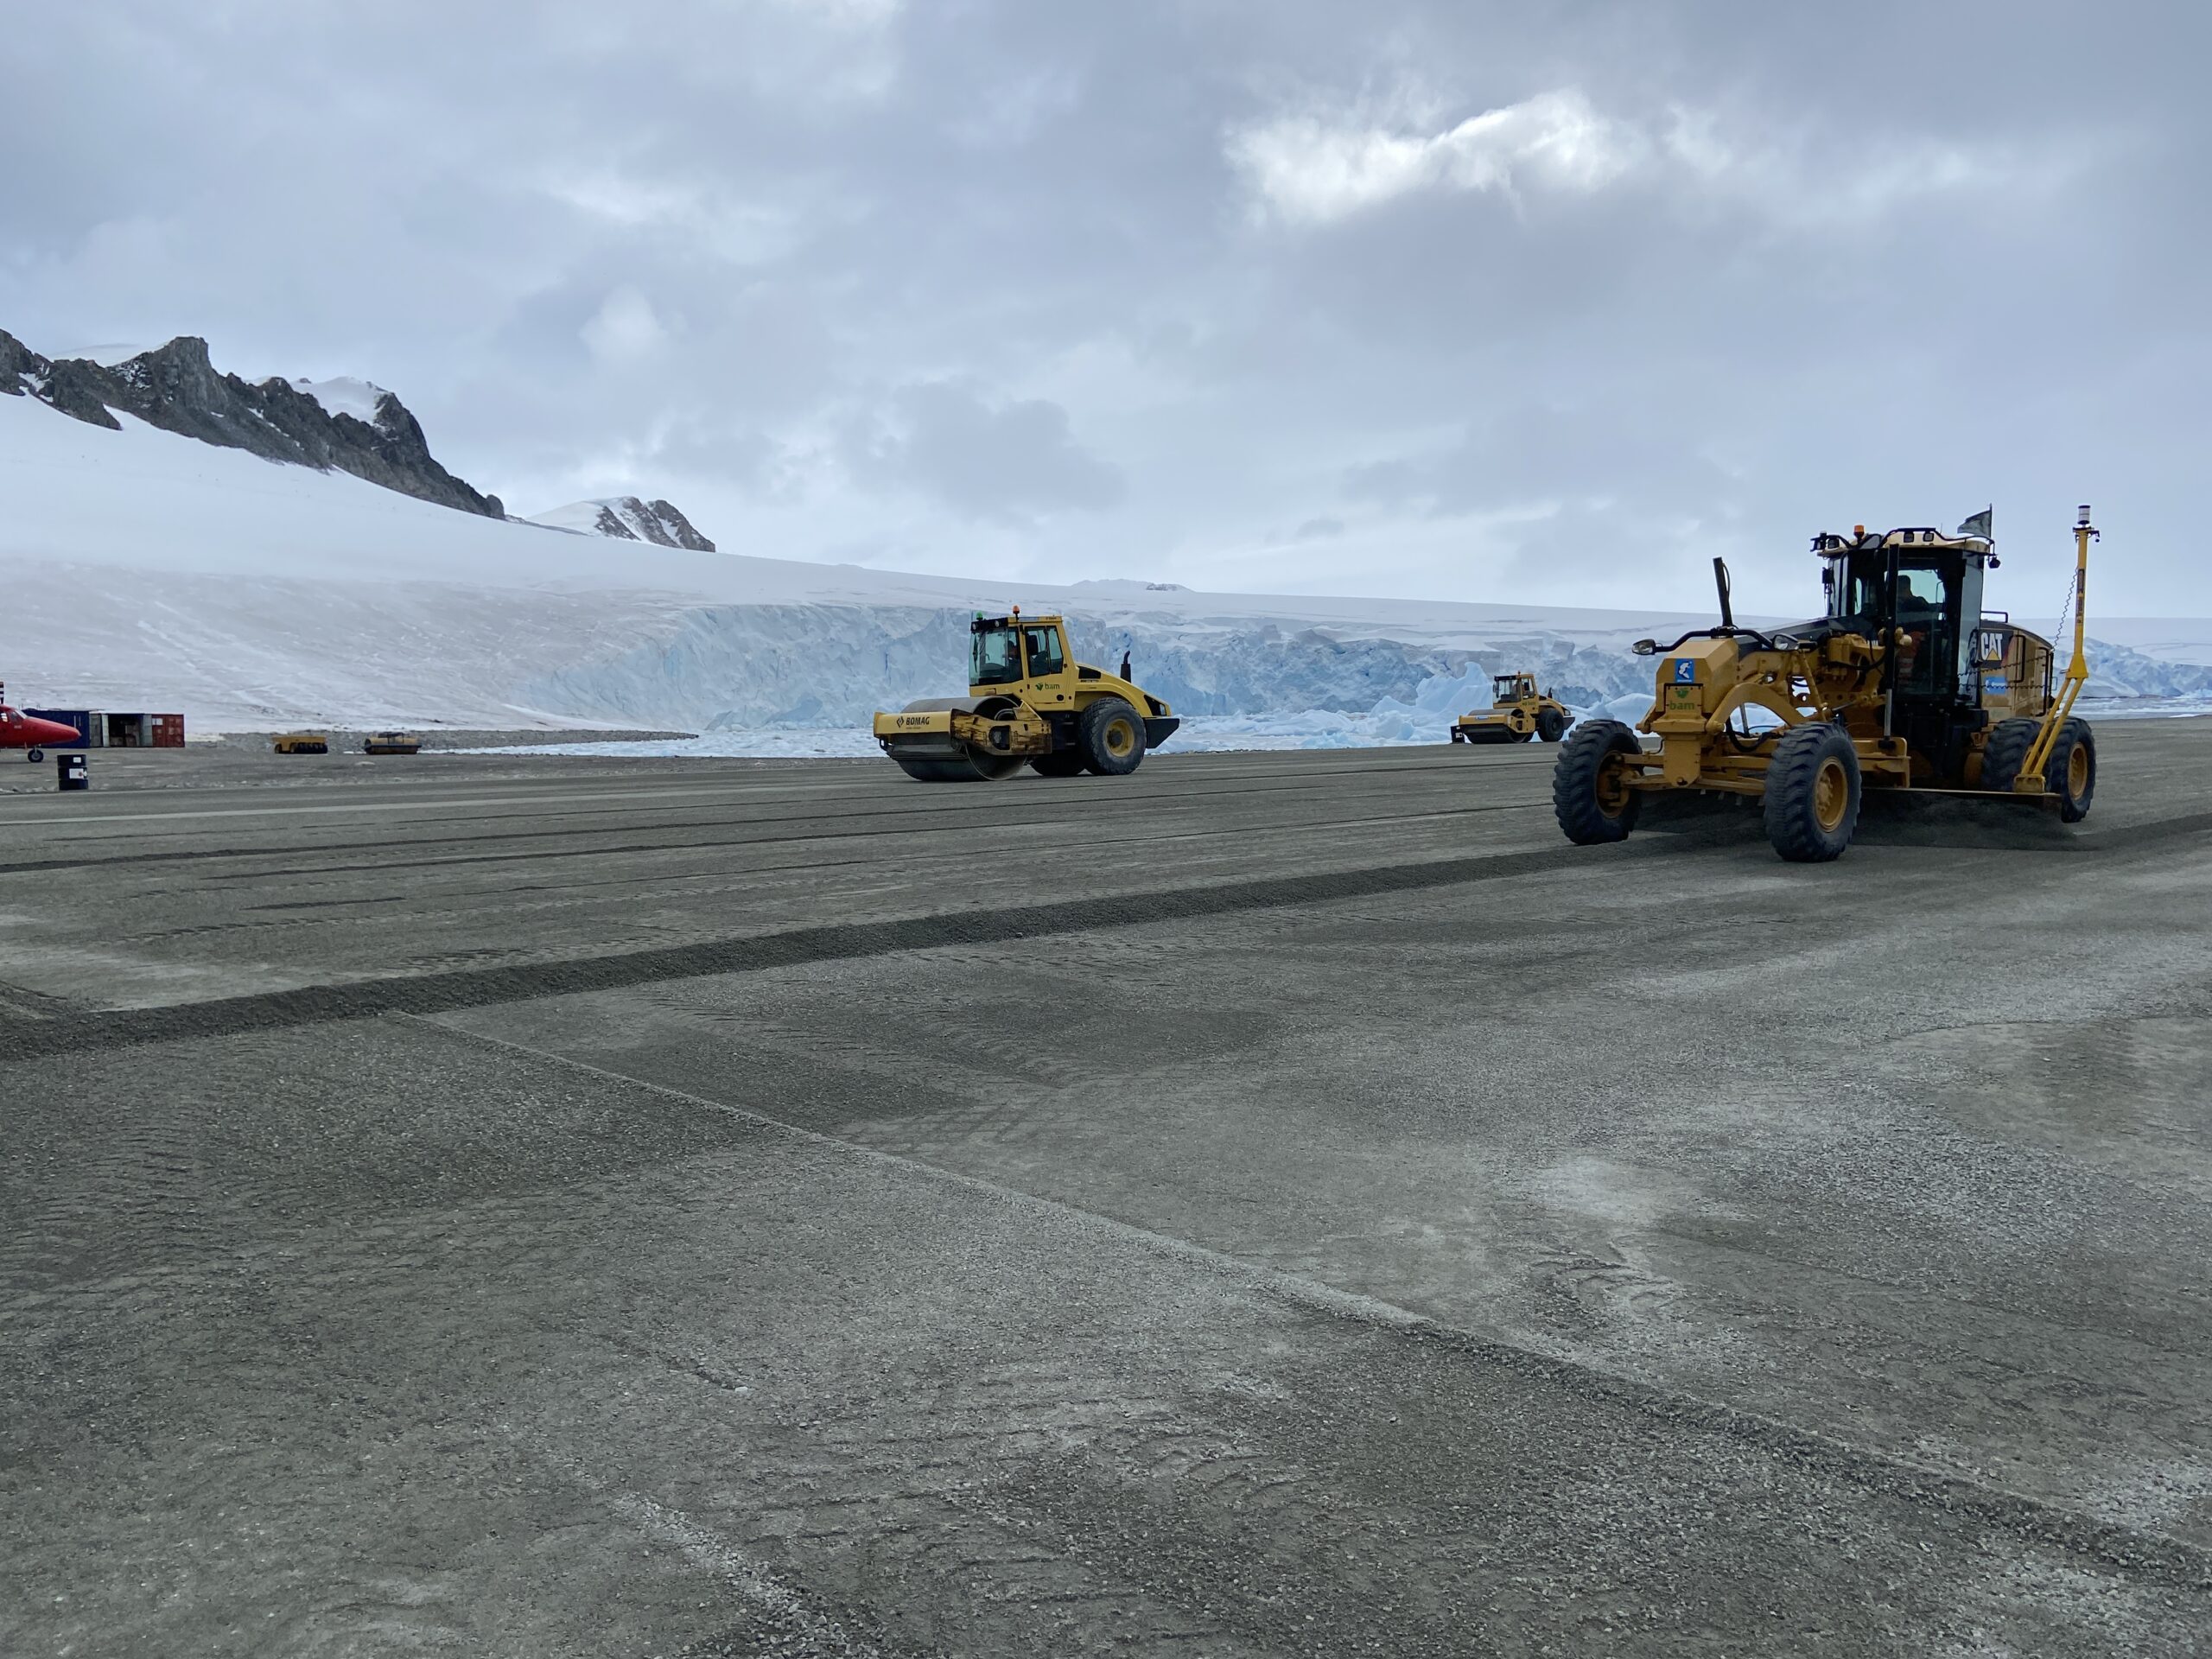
pixel 1905 683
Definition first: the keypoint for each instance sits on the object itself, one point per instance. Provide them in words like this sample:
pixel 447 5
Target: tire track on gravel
pixel 581 823
pixel 755 953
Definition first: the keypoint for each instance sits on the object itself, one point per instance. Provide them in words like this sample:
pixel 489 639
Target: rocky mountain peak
pixel 177 388
pixel 631 518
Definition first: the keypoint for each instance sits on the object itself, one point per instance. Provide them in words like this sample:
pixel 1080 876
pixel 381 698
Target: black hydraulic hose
pixel 1752 634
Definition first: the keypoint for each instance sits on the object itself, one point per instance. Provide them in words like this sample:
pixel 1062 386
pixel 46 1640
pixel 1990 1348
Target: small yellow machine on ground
pixel 1029 701
pixel 1517 712
pixel 303 743
pixel 1906 684
pixel 392 743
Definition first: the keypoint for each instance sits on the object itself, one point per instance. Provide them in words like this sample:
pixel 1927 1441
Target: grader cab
pixel 1028 703
pixel 1904 683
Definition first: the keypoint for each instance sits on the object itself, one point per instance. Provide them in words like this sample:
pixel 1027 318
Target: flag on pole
pixel 1978 524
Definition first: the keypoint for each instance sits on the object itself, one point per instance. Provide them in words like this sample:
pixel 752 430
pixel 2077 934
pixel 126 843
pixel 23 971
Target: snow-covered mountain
pixel 346 425
pixel 148 571
pixel 628 518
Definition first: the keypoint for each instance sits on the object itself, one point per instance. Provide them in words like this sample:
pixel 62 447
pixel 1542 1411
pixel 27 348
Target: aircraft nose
pixel 51 731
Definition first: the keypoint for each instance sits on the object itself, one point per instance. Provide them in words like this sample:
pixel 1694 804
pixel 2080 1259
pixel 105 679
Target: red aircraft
pixel 19 731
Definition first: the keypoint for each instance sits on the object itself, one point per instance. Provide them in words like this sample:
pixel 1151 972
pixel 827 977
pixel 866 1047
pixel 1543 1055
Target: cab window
pixel 995 656
pixel 1920 591
pixel 1922 602
pixel 1045 656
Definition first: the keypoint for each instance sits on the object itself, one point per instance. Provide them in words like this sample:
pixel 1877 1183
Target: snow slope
pixel 146 570
pixel 345 395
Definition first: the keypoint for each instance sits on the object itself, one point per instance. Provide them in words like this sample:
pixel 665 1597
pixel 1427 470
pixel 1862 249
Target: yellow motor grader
pixel 1905 683
pixel 1028 703
pixel 1517 712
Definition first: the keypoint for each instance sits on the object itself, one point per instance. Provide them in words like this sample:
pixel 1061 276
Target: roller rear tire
pixel 1109 735
pixel 1812 793
pixel 1061 763
pixel 1591 797
pixel 1551 725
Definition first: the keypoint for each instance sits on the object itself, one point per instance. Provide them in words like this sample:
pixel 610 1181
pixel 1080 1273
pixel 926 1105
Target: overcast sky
pixel 1411 297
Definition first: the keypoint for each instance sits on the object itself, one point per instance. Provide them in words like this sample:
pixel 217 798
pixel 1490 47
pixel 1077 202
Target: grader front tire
pixel 1812 793
pixel 1591 797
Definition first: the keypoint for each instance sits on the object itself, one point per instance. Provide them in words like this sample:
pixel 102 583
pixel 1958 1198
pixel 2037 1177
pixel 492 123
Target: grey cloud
pixel 981 456
pixel 1539 453
pixel 1837 266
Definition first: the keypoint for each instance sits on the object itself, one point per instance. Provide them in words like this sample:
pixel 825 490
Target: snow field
pixel 148 571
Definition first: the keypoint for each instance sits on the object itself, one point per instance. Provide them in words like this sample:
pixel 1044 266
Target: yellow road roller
pixel 1517 712
pixel 1029 703
pixel 1905 683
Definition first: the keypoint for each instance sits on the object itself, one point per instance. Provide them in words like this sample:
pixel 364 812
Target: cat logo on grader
pixel 1029 701
pixel 1905 683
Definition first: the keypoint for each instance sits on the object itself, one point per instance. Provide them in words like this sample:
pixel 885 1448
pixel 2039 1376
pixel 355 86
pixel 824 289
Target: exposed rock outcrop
pixel 630 518
pixel 176 388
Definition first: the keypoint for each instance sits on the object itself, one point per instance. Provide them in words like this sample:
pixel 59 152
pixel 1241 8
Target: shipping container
pixel 130 732
pixel 169 731
pixel 88 723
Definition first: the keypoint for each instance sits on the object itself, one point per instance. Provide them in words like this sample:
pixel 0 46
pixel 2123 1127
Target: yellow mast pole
pixel 2077 671
pixel 2030 780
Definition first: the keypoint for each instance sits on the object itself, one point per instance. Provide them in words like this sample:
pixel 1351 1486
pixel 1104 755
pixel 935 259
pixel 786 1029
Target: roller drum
pixel 939 757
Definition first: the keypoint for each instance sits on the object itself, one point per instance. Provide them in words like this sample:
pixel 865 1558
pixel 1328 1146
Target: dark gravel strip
pixel 478 986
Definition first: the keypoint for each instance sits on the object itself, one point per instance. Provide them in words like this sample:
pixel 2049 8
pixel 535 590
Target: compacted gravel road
pixel 1276 1204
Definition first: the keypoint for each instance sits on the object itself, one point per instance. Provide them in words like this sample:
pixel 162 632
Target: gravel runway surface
pixel 1285 1203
